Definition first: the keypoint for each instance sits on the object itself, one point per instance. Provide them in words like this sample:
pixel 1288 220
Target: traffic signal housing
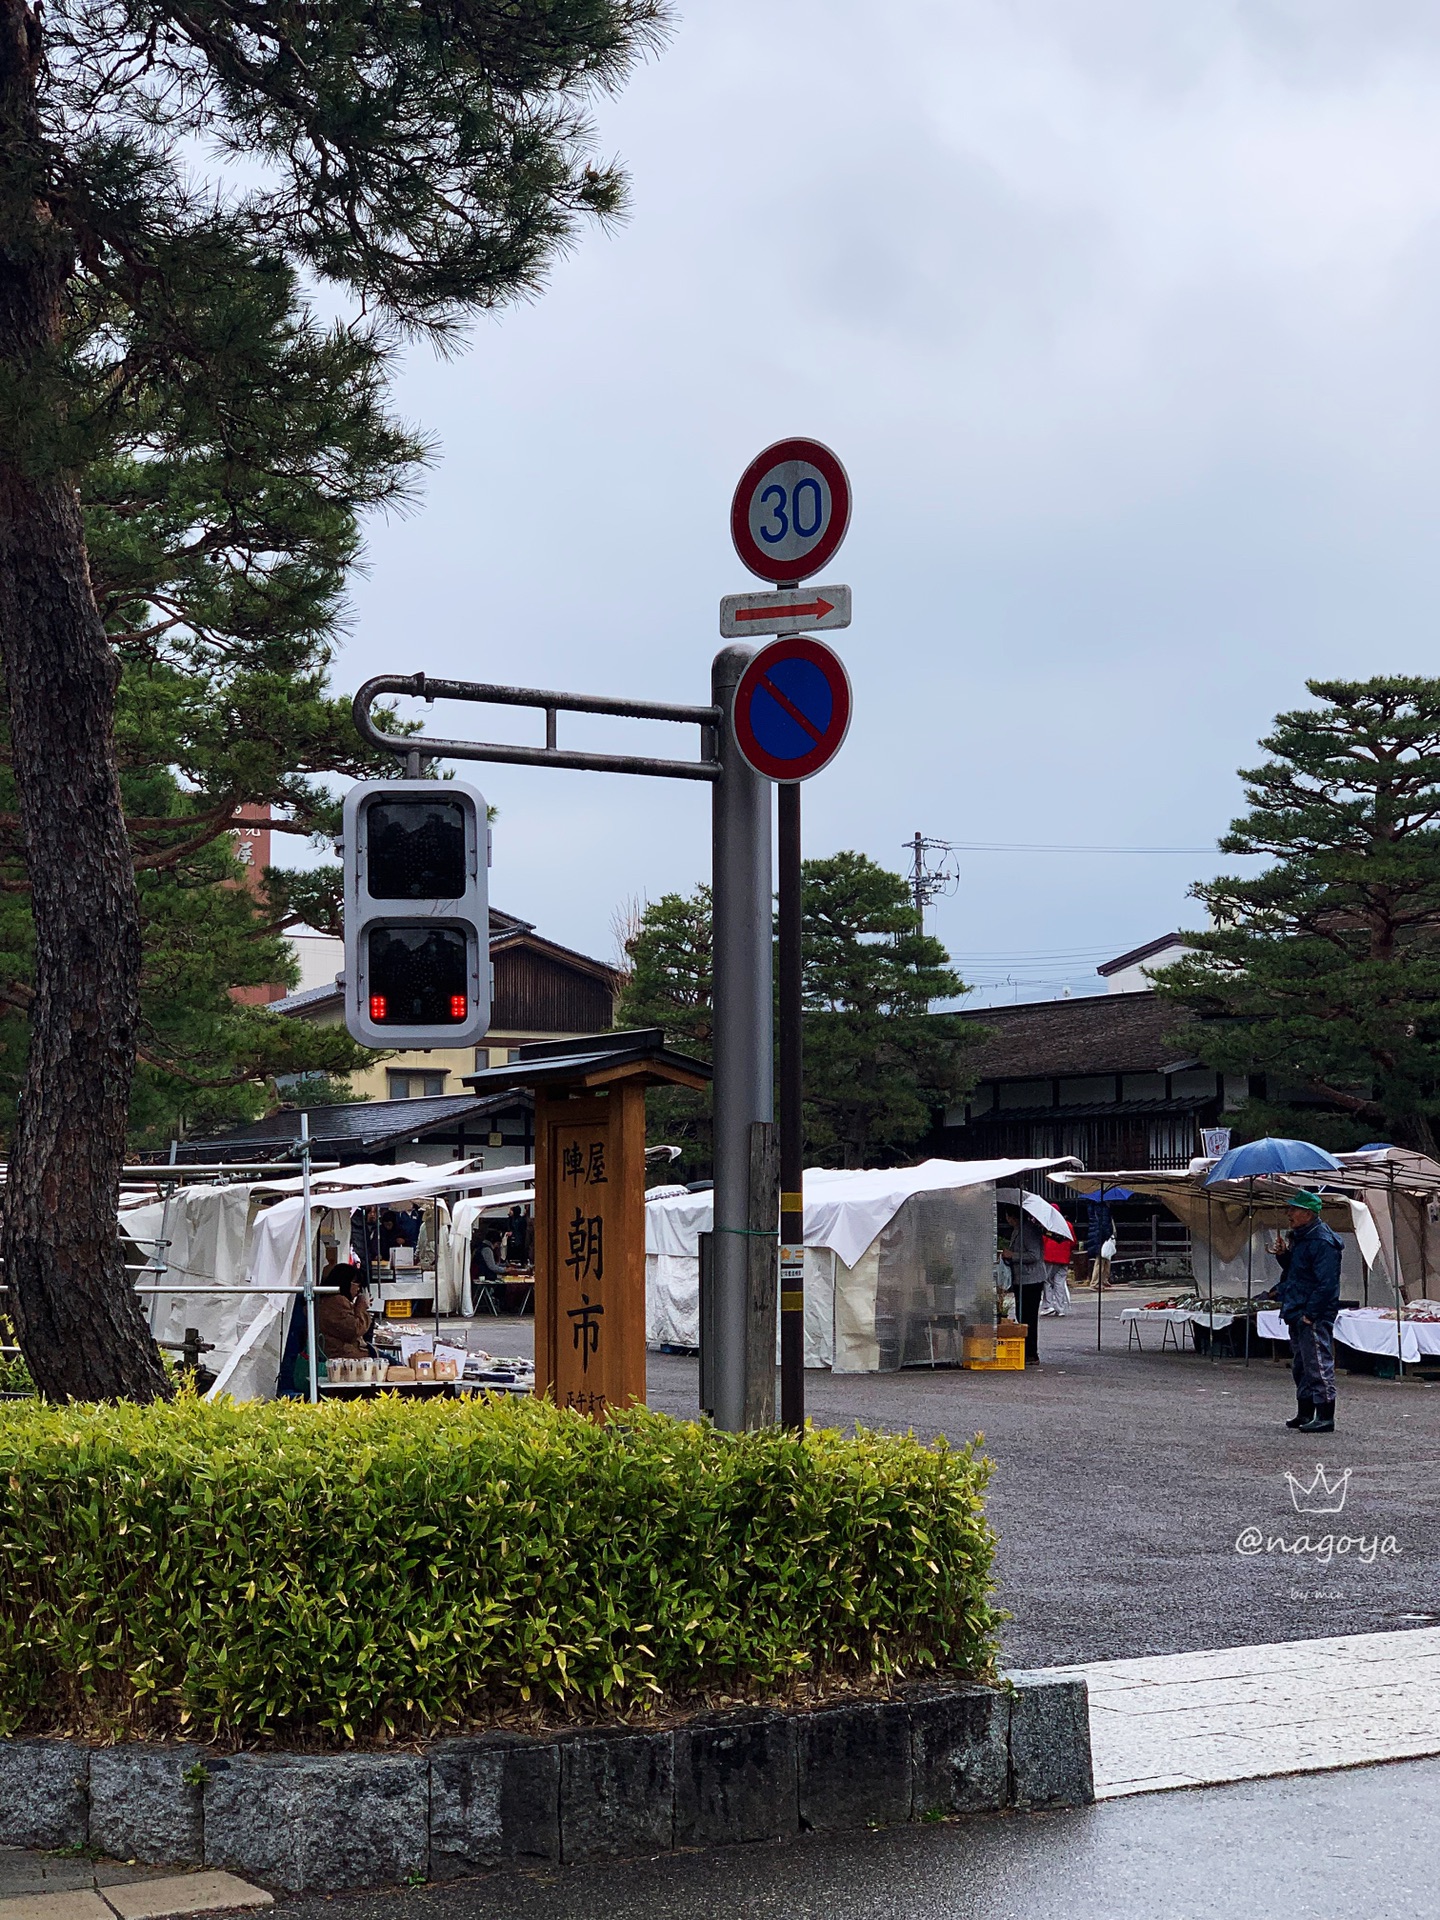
pixel 417 914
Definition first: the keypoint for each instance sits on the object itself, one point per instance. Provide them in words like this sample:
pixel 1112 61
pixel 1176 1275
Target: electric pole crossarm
pixel 423 686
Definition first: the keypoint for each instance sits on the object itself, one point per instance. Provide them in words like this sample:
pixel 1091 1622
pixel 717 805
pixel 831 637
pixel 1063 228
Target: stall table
pixel 1370 1331
pixel 1172 1322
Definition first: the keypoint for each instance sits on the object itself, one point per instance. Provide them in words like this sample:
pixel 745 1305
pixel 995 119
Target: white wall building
pixel 1130 972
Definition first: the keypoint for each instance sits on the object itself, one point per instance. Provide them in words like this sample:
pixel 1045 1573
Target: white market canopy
pixel 234 1262
pixel 845 1209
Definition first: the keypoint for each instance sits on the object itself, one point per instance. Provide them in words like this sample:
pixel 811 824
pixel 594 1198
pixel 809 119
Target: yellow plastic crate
pixel 1009 1353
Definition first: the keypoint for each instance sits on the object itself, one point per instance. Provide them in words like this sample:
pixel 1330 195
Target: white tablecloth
pixel 1179 1316
pixel 1368 1333
pixel 1161 1317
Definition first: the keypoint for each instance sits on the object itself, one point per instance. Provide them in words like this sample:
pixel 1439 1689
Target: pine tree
pixel 1323 971
pixel 671 957
pixel 157 358
pixel 878 1064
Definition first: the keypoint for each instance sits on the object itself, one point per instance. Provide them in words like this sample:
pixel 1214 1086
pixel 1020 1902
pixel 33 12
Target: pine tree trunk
pixel 78 1319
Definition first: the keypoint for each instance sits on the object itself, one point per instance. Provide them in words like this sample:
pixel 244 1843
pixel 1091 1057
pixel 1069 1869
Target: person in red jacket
pixel 1056 1298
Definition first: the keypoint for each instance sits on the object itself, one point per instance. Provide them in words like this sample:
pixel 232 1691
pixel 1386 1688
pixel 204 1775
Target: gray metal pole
pixel 744 1014
pixel 309 1259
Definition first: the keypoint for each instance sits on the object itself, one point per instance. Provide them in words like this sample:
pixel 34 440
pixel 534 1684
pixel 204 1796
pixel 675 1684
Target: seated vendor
pixel 342 1320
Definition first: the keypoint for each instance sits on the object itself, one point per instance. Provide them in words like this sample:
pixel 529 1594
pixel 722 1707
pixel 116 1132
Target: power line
pixel 1028 953
pixel 1039 846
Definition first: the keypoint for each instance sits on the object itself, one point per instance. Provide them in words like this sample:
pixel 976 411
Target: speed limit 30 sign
pixel 790 510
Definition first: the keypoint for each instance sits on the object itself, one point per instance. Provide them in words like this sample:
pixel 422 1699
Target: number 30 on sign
pixel 790 510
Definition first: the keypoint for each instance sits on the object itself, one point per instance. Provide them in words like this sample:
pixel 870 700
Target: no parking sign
pixel 792 708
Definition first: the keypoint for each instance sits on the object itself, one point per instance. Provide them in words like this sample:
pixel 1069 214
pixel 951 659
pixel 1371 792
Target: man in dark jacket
pixel 1309 1297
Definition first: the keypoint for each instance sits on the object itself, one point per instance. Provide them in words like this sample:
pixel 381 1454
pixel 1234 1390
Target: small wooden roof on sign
pixel 596 1060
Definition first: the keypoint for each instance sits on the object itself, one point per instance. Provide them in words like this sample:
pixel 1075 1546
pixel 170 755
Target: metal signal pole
pixel 792 1138
pixel 743 1003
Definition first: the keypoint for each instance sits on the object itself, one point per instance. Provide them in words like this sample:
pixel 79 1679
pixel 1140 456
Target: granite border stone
pixel 617 1793
pixel 1050 1763
pixel 736 1778
pixel 145 1802
pixel 959 1749
pixel 44 1793
pixel 854 1766
pixel 493 1797
pixel 318 1823
pixel 322 1823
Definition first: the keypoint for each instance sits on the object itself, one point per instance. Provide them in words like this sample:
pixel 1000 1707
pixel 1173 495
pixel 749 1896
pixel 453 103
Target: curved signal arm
pixel 412 748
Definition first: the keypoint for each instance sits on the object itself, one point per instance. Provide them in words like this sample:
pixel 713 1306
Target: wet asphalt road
pixel 1310 1848
pixel 1123 1480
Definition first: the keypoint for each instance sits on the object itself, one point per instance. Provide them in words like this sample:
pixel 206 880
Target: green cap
pixel 1311 1202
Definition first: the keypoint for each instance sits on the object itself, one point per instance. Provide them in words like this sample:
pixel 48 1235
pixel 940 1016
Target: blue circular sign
pixel 792 708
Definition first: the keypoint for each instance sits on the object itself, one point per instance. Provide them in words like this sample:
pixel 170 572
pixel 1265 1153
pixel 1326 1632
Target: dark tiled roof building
pixel 1111 1077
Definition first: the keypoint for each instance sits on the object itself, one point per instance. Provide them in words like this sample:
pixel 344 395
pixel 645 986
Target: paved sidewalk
pixel 67 1888
pixel 1244 1713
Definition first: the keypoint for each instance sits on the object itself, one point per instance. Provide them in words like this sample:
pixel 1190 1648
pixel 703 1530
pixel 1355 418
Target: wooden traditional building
pixel 1111 1078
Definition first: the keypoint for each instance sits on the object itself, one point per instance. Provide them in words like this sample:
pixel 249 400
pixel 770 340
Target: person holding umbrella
pixel 1309 1298
pixel 1025 1258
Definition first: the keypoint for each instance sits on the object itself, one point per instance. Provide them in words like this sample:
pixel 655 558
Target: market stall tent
pixel 207 1238
pixel 1231 1227
pixel 898 1260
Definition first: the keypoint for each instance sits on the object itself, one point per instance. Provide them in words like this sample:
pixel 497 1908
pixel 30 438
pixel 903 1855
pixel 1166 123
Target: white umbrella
pixel 1051 1218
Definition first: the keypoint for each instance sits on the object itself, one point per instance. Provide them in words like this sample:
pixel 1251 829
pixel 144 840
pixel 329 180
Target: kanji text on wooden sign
pixel 590 1247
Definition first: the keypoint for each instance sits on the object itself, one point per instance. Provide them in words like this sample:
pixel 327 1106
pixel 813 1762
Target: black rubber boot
pixel 1323 1419
pixel 1304 1411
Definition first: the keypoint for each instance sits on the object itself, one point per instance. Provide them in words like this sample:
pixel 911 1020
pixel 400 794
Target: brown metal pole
pixel 792 1092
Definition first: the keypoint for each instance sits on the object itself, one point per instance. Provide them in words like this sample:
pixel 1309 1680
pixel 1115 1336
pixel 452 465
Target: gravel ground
pixel 1124 1479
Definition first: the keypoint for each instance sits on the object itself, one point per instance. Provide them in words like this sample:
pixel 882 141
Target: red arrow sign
pixel 815 609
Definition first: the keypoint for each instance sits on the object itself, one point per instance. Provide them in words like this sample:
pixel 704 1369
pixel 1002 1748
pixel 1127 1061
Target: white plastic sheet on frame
pixel 898 1261
pixel 220 1236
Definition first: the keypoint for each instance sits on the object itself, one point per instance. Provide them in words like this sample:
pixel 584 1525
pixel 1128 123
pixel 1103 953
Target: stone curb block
pixel 959 1750
pixel 1050 1742
pixel 736 1779
pixel 322 1823
pixel 143 1807
pixel 854 1764
pixel 319 1823
pixel 493 1797
pixel 44 1793
pixel 617 1794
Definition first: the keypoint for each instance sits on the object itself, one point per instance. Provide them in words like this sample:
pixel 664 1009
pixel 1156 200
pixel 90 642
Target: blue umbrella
pixel 1259 1157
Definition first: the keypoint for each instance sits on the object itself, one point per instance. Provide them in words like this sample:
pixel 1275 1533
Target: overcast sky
pixel 1125 319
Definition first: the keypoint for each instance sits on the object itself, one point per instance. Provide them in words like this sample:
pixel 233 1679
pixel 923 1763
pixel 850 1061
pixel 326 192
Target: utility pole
pixel 930 879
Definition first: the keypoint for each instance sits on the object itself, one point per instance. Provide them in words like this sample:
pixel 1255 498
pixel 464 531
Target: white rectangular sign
pixel 804 609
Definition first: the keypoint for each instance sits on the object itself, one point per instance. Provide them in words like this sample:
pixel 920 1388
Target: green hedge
pixel 357 1571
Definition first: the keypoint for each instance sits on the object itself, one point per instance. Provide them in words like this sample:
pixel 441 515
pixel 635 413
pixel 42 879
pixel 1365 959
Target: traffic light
pixel 417 918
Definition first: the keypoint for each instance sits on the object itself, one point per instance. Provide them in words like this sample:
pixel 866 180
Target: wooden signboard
pixel 590 1246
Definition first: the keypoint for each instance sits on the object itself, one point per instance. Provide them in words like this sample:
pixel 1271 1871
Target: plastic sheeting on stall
pixel 455 1285
pixel 220 1236
pixel 898 1262
pixel 1401 1189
